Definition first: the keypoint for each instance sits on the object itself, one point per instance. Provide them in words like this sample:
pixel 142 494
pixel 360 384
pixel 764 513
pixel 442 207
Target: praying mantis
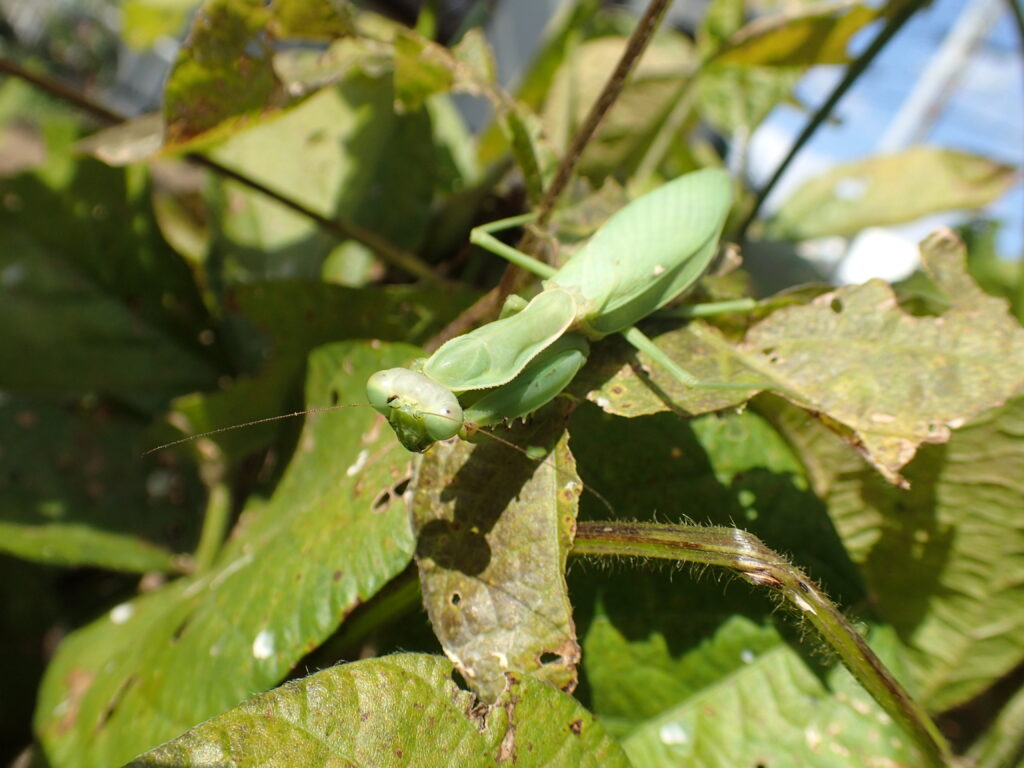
pixel 644 256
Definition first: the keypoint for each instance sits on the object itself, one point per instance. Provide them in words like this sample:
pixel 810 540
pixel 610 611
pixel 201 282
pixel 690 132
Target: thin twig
pixel 61 91
pixel 853 72
pixel 637 44
pixel 513 278
pixel 397 257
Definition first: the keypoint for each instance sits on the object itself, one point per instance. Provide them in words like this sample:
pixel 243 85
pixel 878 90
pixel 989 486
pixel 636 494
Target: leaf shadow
pixel 479 492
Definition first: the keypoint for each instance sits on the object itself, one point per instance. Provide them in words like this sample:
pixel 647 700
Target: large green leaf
pixel 649 666
pixel 74 491
pixel 768 708
pixel 92 300
pixel 493 530
pixel 945 560
pixel 891 189
pixel 359 163
pixel 728 469
pixel 884 379
pixel 395 711
pixel 294 567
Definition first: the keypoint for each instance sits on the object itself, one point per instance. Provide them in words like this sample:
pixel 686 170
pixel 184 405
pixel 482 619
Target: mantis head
pixel 420 410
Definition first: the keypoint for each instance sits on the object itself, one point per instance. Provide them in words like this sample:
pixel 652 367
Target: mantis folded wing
pixel 643 257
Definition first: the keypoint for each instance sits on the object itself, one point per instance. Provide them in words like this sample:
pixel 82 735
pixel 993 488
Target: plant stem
pixel 513 279
pixel 747 556
pixel 215 527
pixel 404 260
pixel 637 44
pixel 853 72
pixel 707 309
pixel 685 98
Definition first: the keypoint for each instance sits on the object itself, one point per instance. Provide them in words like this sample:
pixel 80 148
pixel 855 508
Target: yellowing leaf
pixel 890 189
pixel 890 380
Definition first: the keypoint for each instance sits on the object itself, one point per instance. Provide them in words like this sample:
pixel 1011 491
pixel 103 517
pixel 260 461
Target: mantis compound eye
pixel 419 409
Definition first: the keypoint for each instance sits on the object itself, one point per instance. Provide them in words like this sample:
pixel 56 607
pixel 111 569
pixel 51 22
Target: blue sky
pixel 985 114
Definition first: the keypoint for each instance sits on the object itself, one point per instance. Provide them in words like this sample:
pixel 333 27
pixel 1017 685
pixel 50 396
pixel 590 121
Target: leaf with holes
pixel 888 380
pixel 493 530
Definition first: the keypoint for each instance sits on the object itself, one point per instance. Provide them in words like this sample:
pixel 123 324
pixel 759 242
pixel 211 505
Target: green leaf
pixel 722 469
pixel 887 190
pixel 892 380
pixel 293 568
pixel 396 711
pixel 74 492
pixel 92 299
pixel 944 561
pixel 493 530
pixel 768 708
pixel 735 97
pixel 359 163
pixel 145 22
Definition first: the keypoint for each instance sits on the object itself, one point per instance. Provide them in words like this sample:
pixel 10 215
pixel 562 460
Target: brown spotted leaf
pixel 493 530
pixel 888 380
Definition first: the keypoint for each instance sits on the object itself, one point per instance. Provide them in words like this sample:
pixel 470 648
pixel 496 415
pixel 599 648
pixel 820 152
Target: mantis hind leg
pixel 644 344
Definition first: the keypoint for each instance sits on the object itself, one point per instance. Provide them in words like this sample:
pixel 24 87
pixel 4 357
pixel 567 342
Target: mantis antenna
pixel 457 425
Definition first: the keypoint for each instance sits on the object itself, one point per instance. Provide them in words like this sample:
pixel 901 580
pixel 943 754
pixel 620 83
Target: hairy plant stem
pixel 744 554
pixel 853 72
pixel 404 260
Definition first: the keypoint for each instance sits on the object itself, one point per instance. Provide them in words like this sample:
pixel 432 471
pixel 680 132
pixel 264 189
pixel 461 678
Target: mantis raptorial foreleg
pixel 643 257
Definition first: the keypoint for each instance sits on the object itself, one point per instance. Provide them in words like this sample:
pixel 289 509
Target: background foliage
pixel 296 217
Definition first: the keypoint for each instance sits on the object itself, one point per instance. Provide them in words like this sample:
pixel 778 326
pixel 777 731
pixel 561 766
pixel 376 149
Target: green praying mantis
pixel 644 256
